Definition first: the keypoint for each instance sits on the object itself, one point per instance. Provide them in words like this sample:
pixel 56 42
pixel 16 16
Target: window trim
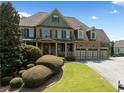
pixel 69 32
pixel 91 35
pixel 79 34
pixel 59 33
pixel 44 33
pixel 55 18
pixel 31 32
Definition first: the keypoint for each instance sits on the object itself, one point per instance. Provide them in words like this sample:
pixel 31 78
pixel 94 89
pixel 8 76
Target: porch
pixel 55 48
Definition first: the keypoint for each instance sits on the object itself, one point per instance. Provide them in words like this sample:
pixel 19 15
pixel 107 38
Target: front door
pixel 45 49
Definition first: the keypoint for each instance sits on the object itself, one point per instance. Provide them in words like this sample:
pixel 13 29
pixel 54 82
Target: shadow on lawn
pixel 49 82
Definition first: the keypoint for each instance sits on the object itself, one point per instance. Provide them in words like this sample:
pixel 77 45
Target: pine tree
pixel 10 44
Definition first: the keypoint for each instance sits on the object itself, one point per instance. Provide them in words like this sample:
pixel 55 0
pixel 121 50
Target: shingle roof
pixel 75 23
pixel 33 20
pixel 36 19
pixel 101 36
pixel 119 43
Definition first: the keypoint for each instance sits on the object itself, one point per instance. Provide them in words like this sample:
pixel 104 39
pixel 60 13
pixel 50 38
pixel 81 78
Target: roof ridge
pixel 42 12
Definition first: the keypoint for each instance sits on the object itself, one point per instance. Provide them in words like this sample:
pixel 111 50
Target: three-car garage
pixel 92 53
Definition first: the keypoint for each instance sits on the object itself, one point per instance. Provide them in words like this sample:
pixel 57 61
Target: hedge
pixel 50 61
pixel 70 58
pixel 36 75
pixel 5 80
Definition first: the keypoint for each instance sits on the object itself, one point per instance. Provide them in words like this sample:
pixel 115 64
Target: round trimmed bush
pixel 21 72
pixel 5 80
pixel 36 75
pixel 50 61
pixel 16 82
pixel 30 65
pixel 30 53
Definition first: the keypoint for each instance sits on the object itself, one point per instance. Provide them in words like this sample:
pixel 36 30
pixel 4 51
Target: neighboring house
pixel 119 47
pixel 60 35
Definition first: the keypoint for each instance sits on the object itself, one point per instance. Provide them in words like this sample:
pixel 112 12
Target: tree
pixel 112 48
pixel 10 43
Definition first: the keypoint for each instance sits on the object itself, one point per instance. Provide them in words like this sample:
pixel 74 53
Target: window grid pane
pixel 46 33
pixel 31 32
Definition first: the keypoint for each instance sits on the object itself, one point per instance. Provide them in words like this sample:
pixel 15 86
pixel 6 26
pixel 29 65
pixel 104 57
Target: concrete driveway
pixel 112 69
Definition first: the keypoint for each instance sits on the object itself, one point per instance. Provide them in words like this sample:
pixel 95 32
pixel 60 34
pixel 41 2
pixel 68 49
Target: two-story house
pixel 58 35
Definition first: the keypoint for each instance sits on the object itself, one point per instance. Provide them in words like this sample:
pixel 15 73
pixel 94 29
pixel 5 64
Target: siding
pixel 61 23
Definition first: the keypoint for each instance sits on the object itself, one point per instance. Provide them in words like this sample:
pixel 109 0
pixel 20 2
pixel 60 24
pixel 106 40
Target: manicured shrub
pixel 70 58
pixel 62 58
pixel 5 80
pixel 50 61
pixel 30 65
pixel 21 72
pixel 30 53
pixel 36 75
pixel 16 82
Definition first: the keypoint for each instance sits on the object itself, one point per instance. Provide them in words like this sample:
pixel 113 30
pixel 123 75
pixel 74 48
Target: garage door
pixel 92 54
pixel 103 54
pixel 81 54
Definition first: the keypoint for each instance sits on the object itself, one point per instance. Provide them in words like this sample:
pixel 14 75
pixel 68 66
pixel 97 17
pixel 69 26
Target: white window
pixel 93 35
pixel 59 34
pixel 46 33
pixel 31 32
pixel 55 18
pixel 80 34
pixel 68 34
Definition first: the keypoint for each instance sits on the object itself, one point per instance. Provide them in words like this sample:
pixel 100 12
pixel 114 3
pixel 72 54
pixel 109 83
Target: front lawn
pixel 78 77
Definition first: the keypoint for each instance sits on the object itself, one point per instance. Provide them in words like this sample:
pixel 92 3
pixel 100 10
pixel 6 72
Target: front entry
pixel 45 49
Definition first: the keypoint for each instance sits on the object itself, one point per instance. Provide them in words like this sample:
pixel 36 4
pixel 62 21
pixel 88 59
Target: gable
pixel 49 21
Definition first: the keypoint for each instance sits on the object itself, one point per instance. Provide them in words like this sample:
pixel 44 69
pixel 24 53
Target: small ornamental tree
pixel 10 44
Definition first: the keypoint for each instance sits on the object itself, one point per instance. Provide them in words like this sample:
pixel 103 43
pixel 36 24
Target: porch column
pixel 25 42
pixel 36 44
pixel 56 49
pixel 66 49
pixel 74 49
pixel 49 48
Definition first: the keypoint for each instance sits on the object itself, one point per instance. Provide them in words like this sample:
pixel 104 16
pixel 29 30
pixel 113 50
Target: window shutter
pixel 41 33
pixel 56 33
pixel 27 33
pixel 71 35
pixel 50 33
pixel 34 32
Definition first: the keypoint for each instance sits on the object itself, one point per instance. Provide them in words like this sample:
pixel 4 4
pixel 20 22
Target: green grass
pixel 78 77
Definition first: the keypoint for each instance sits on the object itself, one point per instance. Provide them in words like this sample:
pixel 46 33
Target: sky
pixel 107 15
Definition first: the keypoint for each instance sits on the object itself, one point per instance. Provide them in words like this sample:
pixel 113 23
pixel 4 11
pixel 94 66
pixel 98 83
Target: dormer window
pixel 80 34
pixel 93 35
pixel 55 18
